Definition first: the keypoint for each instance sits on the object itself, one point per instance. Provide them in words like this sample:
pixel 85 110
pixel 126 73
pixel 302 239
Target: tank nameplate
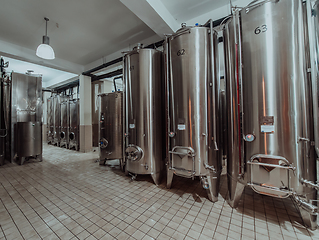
pixel 267 128
pixel 181 127
pixel 267 124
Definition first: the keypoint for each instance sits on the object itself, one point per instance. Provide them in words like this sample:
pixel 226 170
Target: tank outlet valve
pixel 204 182
pixel 146 166
pixel 126 134
pixel 103 143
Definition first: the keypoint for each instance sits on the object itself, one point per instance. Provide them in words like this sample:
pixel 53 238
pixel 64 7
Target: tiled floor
pixel 70 196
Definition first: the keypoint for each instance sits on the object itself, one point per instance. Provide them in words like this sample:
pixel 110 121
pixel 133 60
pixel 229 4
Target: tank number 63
pixel 261 29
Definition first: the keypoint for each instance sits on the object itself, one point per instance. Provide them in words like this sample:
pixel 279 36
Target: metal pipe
pixel 213 64
pixel 310 184
pixel 170 81
pixel 104 65
pixel 107 75
pixel 314 82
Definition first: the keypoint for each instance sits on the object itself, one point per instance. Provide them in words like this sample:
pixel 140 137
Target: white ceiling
pixel 83 32
pixel 183 10
pixel 80 31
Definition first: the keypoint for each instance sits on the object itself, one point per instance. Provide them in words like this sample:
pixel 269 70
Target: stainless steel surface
pixel 269 109
pixel 29 138
pixel 56 120
pixel 64 114
pixel 194 106
pixel 26 108
pixel 313 31
pixel 50 120
pixel 111 126
pixel 74 134
pixel 144 112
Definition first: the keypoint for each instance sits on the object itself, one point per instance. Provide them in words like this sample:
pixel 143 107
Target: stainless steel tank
pixel 195 148
pixel 144 112
pixel 50 122
pixel 111 127
pixel 74 134
pixel 26 116
pixel 29 135
pixel 64 114
pixel 269 123
pixel 56 120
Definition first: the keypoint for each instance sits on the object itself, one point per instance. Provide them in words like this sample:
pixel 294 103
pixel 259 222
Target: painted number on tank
pixel 181 52
pixel 261 29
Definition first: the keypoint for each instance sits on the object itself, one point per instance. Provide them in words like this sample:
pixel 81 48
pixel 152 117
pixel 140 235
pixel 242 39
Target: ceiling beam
pixel 154 14
pixel 28 55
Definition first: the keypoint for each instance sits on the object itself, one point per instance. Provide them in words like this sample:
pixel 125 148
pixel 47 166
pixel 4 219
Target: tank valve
pixel 204 182
pixel 171 134
pixel 146 166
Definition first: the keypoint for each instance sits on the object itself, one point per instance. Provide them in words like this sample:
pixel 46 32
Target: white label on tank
pixel 267 128
pixel 132 125
pixel 181 127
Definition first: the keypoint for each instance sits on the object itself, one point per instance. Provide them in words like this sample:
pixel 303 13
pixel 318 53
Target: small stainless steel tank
pixel 195 148
pixel 144 112
pixel 270 121
pixel 26 116
pixel 74 134
pixel 111 127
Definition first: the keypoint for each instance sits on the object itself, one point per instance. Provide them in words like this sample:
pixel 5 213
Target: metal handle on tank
pixel 213 83
pixel 252 6
pixel 181 33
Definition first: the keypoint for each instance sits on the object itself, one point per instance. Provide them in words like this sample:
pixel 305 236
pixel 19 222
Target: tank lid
pixel 185 27
pixel 138 46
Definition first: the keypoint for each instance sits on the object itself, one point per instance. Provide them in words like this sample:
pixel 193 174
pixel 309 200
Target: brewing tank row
pixel 63 121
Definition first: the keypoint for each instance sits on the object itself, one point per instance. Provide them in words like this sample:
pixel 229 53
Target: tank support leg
pixel 308 212
pixel 235 190
pixel 156 178
pixel 170 175
pixel 22 159
pixel 213 190
pixel 310 220
pixel 40 157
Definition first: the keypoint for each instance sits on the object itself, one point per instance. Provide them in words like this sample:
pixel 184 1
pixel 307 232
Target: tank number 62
pixel 261 29
pixel 181 52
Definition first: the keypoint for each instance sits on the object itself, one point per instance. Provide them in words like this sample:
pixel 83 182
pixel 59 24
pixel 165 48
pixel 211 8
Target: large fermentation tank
pixel 50 120
pixel 111 127
pixel 64 114
pixel 74 134
pixel 269 124
pixel 3 120
pixel 57 120
pixel 144 112
pixel 194 109
pixel 26 116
